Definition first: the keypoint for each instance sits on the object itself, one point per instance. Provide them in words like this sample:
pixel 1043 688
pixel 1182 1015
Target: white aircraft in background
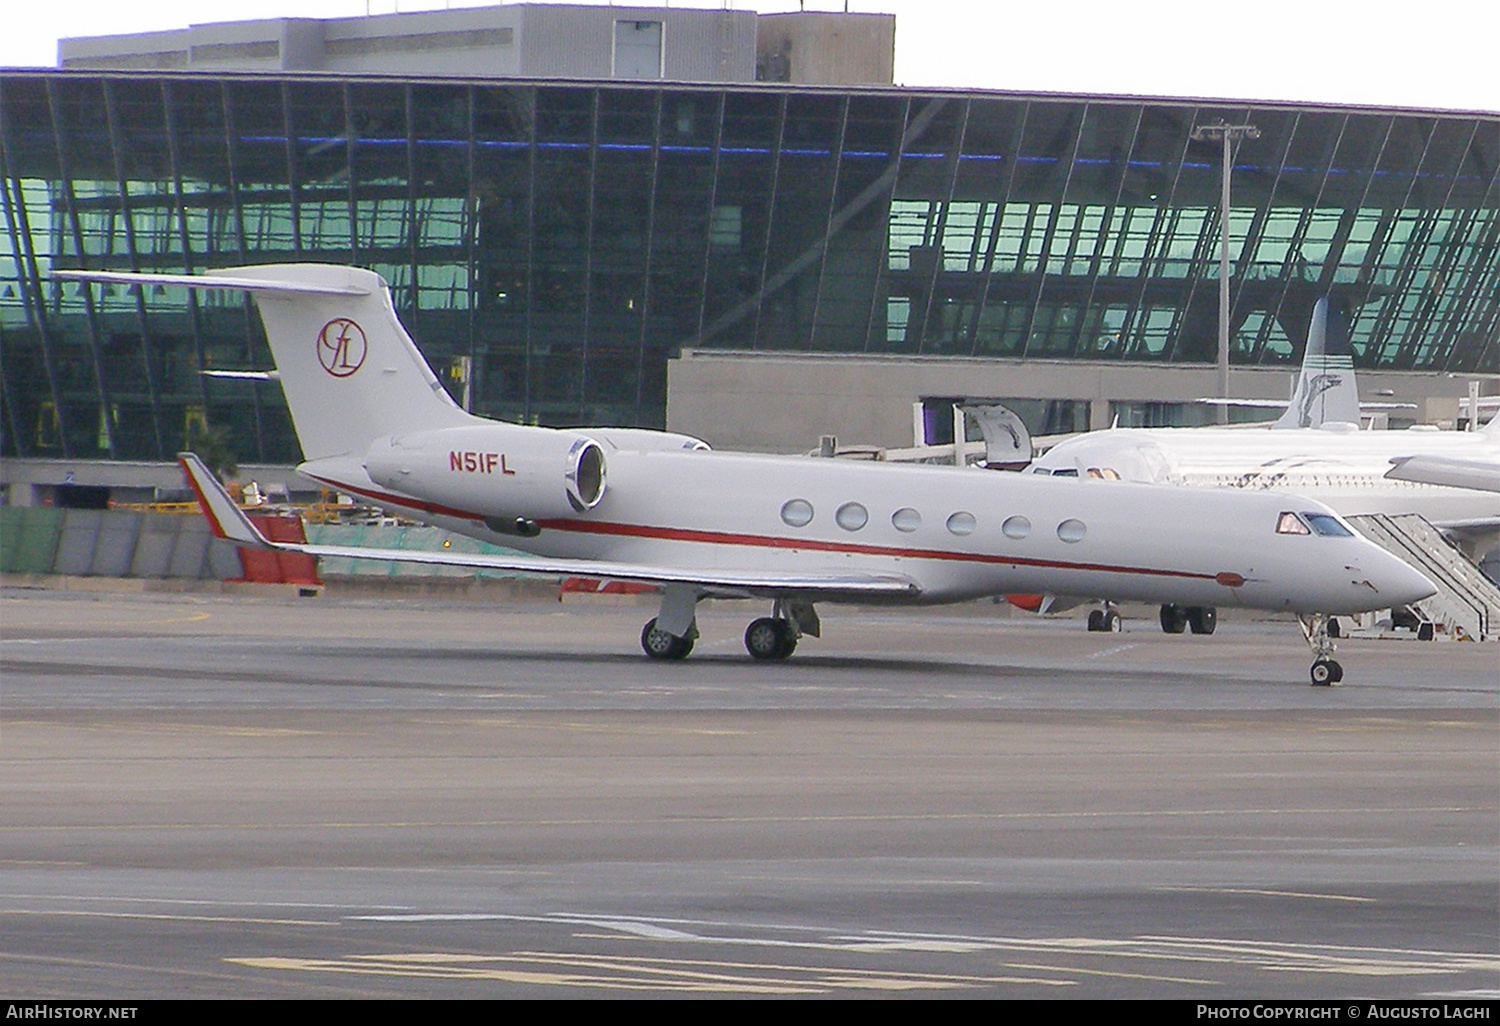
pixel 1336 463
pixel 637 505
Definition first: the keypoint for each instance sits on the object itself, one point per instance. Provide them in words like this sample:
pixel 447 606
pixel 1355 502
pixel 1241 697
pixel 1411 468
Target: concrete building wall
pixel 529 40
pixel 483 41
pixel 579 42
pixel 827 49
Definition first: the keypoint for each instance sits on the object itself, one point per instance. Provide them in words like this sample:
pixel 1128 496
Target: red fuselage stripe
pixel 769 542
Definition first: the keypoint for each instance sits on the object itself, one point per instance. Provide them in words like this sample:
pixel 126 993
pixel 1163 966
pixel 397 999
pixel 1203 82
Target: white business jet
pixel 648 506
pixel 1316 449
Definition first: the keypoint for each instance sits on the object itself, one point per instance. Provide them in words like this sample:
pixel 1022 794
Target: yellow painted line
pixel 678 970
pixel 504 976
pixel 764 967
pixel 76 624
pixel 1188 980
pixel 612 972
pixel 166 916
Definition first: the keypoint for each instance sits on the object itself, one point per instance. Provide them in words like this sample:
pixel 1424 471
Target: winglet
pixel 226 519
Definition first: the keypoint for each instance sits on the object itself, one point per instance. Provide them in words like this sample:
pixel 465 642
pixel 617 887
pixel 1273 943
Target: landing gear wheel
pixel 1106 620
pixel 1174 619
pixel 769 638
pixel 1326 673
pixel 661 645
pixel 1202 619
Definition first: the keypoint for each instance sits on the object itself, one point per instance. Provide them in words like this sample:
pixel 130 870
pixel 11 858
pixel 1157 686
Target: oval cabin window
pixel 797 513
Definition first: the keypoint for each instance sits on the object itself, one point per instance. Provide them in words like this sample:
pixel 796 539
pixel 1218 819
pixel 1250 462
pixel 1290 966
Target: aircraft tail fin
pixel 350 372
pixel 1326 391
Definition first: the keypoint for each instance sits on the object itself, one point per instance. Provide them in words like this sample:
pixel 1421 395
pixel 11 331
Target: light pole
pixel 1228 133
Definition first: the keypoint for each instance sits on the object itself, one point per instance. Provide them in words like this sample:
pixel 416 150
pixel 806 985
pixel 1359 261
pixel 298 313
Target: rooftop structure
pixel 525 40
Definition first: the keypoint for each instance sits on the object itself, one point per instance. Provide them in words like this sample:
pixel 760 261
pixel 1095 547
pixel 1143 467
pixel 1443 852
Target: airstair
pixel 1467 605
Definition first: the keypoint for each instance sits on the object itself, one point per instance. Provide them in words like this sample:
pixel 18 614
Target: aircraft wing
pixel 1453 471
pixel 229 521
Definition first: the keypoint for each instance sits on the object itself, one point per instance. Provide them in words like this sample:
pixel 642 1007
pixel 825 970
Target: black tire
pixel 764 638
pixel 769 638
pixel 1173 619
pixel 1112 622
pixel 788 639
pixel 1202 619
pixel 1096 619
pixel 660 645
pixel 1325 673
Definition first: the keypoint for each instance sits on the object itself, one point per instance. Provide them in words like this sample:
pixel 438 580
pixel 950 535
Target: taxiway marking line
pixel 1270 893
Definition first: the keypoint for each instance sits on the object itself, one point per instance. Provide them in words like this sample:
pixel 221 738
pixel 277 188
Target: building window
pixel 724 228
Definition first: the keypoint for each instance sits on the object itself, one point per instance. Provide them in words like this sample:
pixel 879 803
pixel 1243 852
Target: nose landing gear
pixel 1320 631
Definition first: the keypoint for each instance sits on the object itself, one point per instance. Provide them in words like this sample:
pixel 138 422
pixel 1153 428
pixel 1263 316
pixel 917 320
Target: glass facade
pixel 568 237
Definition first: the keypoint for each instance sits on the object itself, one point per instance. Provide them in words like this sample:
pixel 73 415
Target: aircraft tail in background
pixel 1326 391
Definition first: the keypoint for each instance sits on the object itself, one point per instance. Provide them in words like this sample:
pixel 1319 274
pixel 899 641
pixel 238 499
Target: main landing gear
pixel 1174 619
pixel 1200 619
pixel 1320 631
pixel 1106 620
pixel 658 644
pixel 775 637
pixel 770 638
pixel 671 633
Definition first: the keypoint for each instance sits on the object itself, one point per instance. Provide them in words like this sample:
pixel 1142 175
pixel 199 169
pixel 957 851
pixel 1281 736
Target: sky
pixel 1430 54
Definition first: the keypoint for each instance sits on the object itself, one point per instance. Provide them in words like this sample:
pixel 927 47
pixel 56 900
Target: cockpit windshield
pixel 1328 526
pixel 1312 523
pixel 1291 523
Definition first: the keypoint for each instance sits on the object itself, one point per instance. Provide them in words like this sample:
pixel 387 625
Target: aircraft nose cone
pixel 1397 582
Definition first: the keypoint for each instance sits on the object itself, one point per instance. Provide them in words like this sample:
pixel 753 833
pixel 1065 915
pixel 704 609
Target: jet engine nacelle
pixel 510 474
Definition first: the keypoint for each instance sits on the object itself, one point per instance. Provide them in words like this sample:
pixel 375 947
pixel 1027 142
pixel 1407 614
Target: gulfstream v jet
pixel 648 506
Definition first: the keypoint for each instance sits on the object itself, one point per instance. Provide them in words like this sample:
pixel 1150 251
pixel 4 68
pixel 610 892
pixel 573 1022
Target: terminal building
pixel 727 224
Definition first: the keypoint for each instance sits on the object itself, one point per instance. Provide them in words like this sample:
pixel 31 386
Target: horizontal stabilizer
pixel 242 375
pixel 225 518
pixel 214 280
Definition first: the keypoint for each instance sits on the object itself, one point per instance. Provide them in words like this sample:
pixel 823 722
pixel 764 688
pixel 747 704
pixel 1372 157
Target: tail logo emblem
pixel 341 347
